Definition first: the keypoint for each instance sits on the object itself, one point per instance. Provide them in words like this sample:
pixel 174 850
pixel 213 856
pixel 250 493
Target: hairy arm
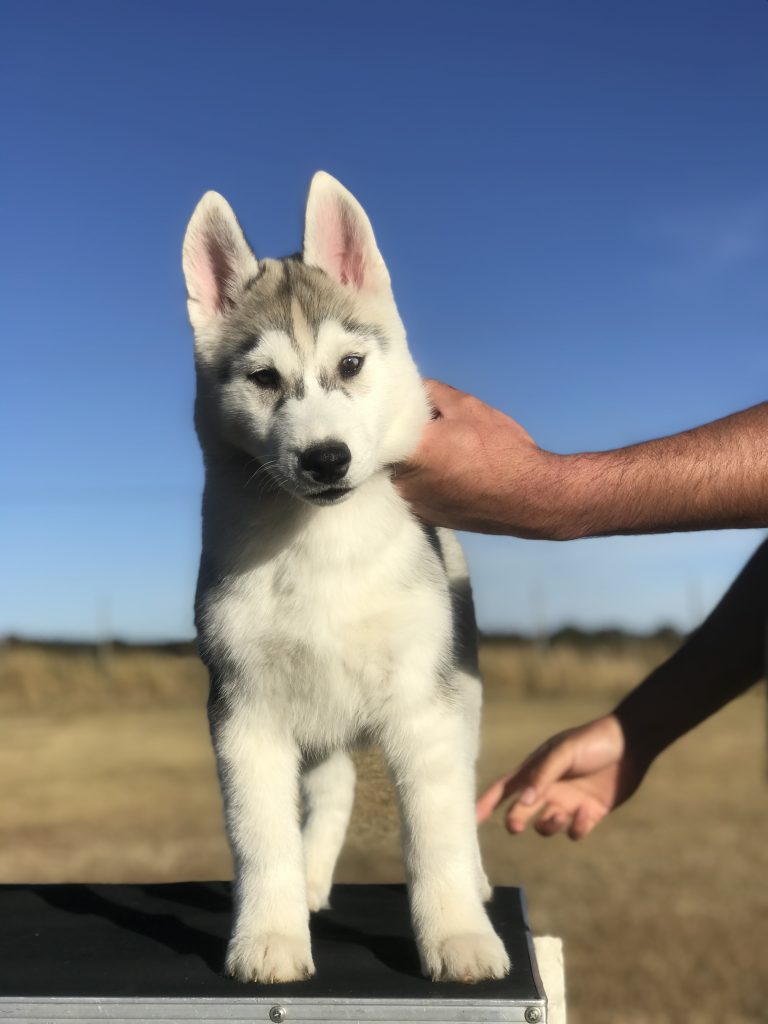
pixel 711 477
pixel 573 780
pixel 477 469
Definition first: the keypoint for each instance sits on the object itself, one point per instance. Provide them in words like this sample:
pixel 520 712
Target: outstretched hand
pixel 571 782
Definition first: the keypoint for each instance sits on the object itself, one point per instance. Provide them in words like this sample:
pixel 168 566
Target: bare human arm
pixel 577 777
pixel 477 469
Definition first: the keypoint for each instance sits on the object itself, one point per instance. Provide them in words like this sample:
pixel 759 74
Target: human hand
pixel 477 469
pixel 570 782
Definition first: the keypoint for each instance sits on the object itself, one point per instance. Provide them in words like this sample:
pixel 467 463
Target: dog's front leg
pixel 258 766
pixel 431 757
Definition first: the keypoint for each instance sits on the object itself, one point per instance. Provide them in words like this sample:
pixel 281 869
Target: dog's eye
pixel 265 378
pixel 350 365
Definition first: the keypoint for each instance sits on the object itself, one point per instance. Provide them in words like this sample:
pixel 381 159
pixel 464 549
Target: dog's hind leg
pixel 329 790
pixel 469 686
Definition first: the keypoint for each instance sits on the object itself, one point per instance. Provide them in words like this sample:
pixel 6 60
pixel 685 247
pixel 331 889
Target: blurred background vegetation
pixel 109 776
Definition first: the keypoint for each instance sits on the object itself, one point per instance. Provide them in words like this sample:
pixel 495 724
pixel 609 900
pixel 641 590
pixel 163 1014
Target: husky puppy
pixel 327 615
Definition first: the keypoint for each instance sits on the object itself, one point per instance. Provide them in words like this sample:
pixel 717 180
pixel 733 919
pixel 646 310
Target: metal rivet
pixel 277 1015
pixel 533 1014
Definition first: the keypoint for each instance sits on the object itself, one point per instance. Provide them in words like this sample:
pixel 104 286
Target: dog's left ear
pixel 217 261
pixel 339 239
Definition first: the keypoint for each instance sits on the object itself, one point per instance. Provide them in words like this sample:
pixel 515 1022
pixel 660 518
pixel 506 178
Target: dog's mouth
pixel 329 496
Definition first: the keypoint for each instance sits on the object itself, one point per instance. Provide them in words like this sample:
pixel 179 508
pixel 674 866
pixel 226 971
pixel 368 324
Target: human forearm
pixel 720 660
pixel 712 477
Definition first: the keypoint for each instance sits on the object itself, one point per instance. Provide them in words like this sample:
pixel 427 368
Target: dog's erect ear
pixel 338 237
pixel 217 260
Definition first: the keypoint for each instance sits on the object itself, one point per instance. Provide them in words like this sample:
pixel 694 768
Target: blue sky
pixel 572 199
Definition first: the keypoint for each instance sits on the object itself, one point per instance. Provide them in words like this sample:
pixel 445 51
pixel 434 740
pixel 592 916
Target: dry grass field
pixel 108 775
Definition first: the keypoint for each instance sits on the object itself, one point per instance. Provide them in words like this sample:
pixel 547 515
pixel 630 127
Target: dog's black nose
pixel 326 463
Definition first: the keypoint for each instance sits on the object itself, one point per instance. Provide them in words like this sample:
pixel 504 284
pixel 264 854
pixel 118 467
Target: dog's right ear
pixel 339 239
pixel 218 262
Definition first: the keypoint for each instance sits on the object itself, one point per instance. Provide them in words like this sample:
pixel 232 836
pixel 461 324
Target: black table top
pixel 168 941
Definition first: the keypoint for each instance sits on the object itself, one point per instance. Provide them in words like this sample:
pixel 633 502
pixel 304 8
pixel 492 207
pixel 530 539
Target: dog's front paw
pixel 475 956
pixel 270 958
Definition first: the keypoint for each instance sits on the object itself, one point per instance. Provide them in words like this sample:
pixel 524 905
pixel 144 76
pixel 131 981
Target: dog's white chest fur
pixel 329 619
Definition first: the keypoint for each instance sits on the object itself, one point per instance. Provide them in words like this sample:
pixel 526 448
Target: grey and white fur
pixel 327 615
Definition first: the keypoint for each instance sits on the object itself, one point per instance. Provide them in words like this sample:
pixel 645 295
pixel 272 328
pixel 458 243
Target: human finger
pixel 531 779
pixel 584 820
pixel 543 769
pixel 488 801
pixel 519 815
pixel 553 819
pixel 502 788
pixel 443 397
pixel 554 762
